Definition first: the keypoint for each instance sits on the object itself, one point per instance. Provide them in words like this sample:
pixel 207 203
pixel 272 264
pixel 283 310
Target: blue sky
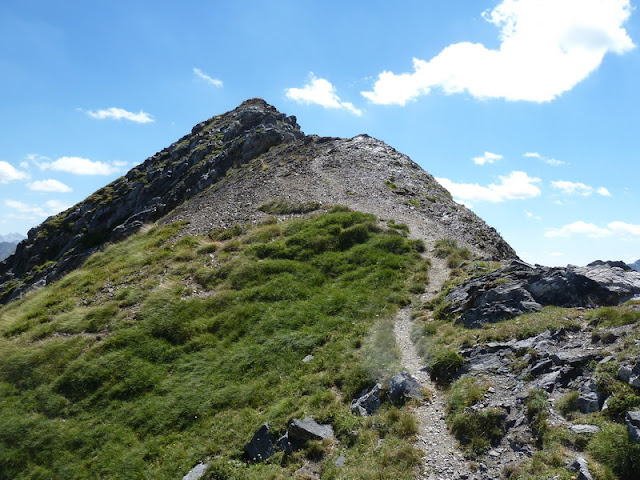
pixel 526 110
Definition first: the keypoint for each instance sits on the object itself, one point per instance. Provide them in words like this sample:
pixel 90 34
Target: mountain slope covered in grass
pixel 165 350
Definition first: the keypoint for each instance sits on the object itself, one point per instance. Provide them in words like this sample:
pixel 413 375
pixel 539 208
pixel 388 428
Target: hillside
pixel 253 302
pixel 236 162
pixel 161 352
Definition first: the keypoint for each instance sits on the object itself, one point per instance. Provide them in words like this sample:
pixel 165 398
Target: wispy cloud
pixel 548 160
pixel 211 81
pixel 578 188
pixel 515 186
pixel 50 207
pixel 619 229
pixel 114 113
pixel 8 173
pixel 487 157
pixel 79 166
pixel 321 92
pixel 49 185
pixel 547 47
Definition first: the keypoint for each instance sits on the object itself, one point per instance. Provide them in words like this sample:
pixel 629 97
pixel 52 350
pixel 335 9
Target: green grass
pixel 161 352
pixel 476 430
pixel 281 206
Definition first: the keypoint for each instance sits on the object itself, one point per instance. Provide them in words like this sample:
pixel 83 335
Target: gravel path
pixel 442 457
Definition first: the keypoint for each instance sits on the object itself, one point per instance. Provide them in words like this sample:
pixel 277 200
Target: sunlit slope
pixel 162 351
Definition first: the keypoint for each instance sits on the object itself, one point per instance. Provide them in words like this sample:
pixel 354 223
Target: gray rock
pixel 403 386
pixel 485 363
pixel 368 403
pixel 584 429
pixel 302 431
pixel 589 400
pixel 548 382
pixel 196 472
pixel 624 373
pixel 260 448
pixel 520 288
pixel 632 420
pixel 307 359
pixel 573 357
pixel 340 461
pixel 580 466
pixel 541 367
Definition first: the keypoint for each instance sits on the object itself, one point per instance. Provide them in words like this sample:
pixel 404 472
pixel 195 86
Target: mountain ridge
pixel 214 150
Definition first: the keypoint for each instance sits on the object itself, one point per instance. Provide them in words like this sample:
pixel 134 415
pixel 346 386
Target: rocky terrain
pixel 237 161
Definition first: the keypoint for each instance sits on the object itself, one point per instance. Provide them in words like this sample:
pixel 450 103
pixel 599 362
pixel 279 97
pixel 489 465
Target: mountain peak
pixel 221 172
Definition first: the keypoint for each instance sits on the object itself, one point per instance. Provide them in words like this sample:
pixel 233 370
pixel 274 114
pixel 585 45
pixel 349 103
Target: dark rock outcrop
pixel 260 448
pixel 402 387
pixel 146 193
pixel 522 288
pixel 368 403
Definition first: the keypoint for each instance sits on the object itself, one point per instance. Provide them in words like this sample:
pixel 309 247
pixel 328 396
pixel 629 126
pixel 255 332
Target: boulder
pixel 584 429
pixel 589 400
pixel 260 448
pixel 580 466
pixel 302 431
pixel 632 420
pixel 403 386
pixel 368 403
pixel 196 472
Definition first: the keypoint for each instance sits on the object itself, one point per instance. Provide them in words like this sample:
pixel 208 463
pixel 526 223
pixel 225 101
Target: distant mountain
pixel 12 237
pixel 8 244
pixel 635 265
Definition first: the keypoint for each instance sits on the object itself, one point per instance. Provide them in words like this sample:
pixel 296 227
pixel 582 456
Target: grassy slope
pixel 163 351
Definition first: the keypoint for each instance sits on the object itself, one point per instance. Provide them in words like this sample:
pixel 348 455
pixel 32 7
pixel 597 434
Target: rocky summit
pixel 224 170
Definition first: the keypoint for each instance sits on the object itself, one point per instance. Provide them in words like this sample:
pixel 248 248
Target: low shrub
pixel 444 365
pixel 538 413
pixel 612 447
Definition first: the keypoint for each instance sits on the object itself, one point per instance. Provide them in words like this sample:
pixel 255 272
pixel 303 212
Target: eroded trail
pixel 442 457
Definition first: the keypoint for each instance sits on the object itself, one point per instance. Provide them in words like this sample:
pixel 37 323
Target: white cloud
pixel 578 188
pixel 532 215
pixel 50 207
pixel 487 157
pixel 548 160
pixel 617 229
pixel 320 92
pixel 547 47
pixel 572 188
pixel 49 185
pixel 79 166
pixel 516 185
pixel 625 229
pixel 9 173
pixel 120 114
pixel 579 227
pixel 211 81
